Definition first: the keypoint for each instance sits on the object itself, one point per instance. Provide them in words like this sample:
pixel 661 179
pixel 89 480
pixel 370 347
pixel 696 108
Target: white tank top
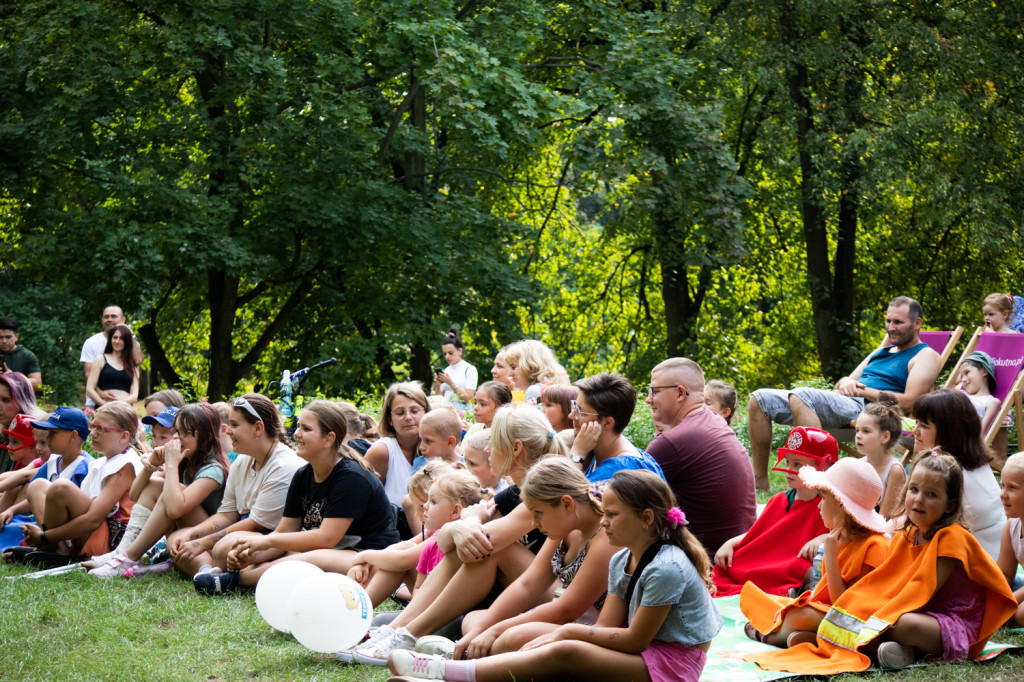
pixel 399 470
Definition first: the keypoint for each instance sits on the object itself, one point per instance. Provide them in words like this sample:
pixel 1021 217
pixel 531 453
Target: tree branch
pixel 396 119
pixel 241 367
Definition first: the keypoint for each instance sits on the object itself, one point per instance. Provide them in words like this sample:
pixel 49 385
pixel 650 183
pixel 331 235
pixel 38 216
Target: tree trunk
pixel 831 292
pixel 222 291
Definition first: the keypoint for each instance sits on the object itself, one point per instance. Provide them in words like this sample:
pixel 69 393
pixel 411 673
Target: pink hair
pixel 21 392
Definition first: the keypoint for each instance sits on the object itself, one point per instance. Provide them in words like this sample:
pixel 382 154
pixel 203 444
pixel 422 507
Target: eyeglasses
pixel 575 412
pixel 100 428
pixel 244 404
pixel 653 390
pixel 402 412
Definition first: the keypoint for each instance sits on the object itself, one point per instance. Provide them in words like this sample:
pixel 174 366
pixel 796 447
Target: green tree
pixel 247 174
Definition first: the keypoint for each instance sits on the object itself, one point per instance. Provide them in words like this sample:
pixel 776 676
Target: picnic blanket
pixel 725 659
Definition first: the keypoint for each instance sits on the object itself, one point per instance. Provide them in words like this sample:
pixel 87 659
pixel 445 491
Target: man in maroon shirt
pixel 704 463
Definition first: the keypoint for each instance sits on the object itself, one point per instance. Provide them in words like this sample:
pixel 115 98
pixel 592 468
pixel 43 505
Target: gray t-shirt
pixel 670 578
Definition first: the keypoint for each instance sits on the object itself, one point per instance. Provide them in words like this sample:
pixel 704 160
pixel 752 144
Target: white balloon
pixel 276 586
pixel 329 613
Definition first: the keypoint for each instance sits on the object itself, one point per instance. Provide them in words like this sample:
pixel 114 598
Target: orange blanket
pixel 769 556
pixel 902 584
pixel 766 611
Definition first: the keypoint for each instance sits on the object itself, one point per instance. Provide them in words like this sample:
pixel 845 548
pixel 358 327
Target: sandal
pixel 18 553
pixel 750 631
pixel 51 559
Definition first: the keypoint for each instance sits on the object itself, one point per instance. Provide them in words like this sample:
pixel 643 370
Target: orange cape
pixel 766 611
pixel 769 555
pixel 904 583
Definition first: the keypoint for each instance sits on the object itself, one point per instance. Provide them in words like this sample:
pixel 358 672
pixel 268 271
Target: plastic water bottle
pixel 286 395
pixel 816 566
pixel 154 553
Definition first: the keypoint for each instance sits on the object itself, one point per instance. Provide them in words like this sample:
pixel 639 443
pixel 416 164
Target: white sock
pixel 136 521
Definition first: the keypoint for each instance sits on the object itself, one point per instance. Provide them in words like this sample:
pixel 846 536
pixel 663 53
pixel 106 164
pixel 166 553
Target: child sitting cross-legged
pixel 855 545
pixel 777 551
pixel 23 441
pixel 448 492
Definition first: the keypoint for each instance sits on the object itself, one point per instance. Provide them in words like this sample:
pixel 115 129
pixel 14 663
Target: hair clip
pixel 675 518
pixel 597 490
pixel 1008 296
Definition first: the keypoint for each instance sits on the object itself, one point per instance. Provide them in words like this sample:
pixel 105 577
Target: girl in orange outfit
pixel 855 545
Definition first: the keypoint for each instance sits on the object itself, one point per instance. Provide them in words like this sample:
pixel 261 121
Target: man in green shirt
pixel 15 358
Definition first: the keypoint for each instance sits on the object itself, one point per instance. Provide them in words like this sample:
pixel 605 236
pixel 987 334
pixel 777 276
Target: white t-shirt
pixel 261 494
pixel 463 374
pixel 92 349
pixel 102 468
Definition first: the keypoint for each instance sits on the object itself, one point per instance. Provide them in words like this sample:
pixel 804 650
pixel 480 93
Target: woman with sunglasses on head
pixel 90 520
pixel 115 374
pixel 254 493
pixel 335 508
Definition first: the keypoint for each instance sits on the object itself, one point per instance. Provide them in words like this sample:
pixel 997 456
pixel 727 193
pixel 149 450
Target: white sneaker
pixel 410 663
pixel 893 655
pixel 374 634
pixel 115 567
pixel 435 645
pixel 377 654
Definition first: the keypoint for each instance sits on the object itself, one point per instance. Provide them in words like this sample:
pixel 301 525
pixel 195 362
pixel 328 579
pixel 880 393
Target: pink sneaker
pixel 115 567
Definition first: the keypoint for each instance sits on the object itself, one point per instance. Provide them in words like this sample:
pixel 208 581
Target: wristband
pixel 42 538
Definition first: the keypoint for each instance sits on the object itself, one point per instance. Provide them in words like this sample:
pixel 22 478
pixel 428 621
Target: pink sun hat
pixel 855 484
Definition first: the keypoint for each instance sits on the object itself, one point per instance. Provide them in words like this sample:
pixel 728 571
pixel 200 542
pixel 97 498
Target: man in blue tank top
pixel 907 368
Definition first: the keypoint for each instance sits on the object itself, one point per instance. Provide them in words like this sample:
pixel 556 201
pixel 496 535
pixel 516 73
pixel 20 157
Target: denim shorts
pixel 833 409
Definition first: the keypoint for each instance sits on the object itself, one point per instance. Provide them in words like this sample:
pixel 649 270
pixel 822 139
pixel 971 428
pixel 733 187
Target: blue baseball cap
pixel 164 419
pixel 66 418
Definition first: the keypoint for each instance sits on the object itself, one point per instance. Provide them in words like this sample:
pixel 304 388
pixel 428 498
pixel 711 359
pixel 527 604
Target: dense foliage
pixel 261 184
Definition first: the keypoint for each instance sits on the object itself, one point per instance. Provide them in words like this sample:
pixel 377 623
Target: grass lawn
pixel 76 627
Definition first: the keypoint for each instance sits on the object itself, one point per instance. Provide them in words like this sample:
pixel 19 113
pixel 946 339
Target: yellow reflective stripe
pixel 846 630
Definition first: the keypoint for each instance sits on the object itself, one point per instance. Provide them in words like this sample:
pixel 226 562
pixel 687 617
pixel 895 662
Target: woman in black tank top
pixel 114 375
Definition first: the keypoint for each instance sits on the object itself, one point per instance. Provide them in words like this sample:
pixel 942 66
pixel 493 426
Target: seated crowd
pixel 534 539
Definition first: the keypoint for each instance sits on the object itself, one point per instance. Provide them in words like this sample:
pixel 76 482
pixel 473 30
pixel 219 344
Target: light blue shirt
pixel 670 578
